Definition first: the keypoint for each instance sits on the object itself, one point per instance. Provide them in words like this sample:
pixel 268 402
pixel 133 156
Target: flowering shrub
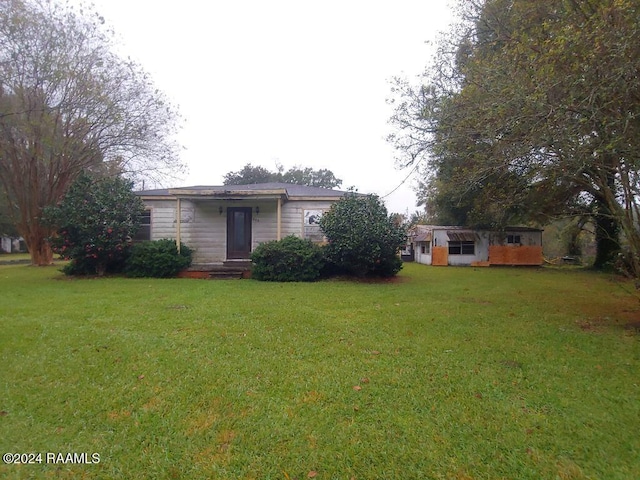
pixel 96 220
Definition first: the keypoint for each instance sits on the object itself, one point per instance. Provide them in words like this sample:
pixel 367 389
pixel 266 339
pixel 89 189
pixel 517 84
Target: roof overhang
pixel 423 237
pixel 228 194
pixel 461 236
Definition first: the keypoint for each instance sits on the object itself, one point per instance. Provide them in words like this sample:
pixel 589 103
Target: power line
pixel 415 167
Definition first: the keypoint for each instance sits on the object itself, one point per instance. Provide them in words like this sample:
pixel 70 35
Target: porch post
pixel 178 222
pixel 279 219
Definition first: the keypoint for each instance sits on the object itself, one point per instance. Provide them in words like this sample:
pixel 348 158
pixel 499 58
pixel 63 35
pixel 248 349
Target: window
pixel 462 248
pixel 423 249
pixel 513 239
pixel 144 232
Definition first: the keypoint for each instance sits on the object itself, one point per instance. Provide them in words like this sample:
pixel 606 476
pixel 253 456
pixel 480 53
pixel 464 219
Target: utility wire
pixel 415 167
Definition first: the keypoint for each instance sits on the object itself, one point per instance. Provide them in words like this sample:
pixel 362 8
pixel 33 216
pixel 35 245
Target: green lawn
pixel 447 373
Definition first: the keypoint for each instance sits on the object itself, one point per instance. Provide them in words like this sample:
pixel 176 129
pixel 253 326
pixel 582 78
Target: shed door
pixel 238 232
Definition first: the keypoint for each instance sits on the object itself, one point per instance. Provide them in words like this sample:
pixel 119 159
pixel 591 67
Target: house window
pixel 144 231
pixel 513 239
pixel 425 248
pixel 462 248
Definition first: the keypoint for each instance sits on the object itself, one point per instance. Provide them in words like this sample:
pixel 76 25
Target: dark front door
pixel 238 232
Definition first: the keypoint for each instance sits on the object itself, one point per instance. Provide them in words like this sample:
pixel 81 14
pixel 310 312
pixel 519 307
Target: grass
pixel 448 373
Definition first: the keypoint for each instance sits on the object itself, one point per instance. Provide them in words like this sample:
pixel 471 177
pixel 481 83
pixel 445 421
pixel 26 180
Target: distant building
pixel 454 245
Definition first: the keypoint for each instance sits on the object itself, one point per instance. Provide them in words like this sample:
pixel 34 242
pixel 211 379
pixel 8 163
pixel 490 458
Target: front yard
pixel 446 373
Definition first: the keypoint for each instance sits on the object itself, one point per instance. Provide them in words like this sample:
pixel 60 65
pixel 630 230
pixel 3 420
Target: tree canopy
pixel 69 104
pixel 531 111
pixel 295 175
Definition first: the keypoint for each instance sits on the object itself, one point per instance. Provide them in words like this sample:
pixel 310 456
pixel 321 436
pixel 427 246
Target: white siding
pixel 424 258
pixel 204 228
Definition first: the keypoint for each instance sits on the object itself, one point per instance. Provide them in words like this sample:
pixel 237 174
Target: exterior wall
pixel 163 216
pixel 419 257
pixel 440 256
pixel 293 215
pixel 516 255
pixel 5 244
pixel 481 249
pixel 489 248
pixel 204 228
pixel 527 252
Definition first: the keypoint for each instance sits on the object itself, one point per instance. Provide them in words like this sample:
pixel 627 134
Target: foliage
pixel 69 104
pixel 480 373
pixel 363 239
pixel 295 175
pixel 528 112
pixel 158 258
pixel 291 259
pixel 95 222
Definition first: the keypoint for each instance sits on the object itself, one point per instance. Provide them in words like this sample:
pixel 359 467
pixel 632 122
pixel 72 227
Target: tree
pixel 295 175
pixel 364 240
pixel 533 114
pixel 250 175
pixel 95 221
pixel 68 104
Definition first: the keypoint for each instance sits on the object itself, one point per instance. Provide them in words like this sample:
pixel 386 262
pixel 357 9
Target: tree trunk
pixel 607 241
pixel 39 248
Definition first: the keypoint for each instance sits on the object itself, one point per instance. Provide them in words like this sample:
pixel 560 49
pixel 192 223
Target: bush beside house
pixel 364 240
pixel 291 259
pixel 159 258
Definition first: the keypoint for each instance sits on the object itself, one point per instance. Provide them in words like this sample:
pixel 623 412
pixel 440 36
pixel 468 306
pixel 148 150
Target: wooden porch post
pixel 178 222
pixel 279 219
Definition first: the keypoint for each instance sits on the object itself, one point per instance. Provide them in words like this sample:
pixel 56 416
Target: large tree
pixel 69 104
pixel 532 113
pixel 250 174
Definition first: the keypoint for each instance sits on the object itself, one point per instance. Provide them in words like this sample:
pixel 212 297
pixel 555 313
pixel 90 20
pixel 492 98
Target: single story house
pixel 454 245
pixel 223 224
pixel 10 244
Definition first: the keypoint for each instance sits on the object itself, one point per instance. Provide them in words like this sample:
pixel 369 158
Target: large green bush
pixel 291 259
pixel 158 258
pixel 363 238
pixel 95 222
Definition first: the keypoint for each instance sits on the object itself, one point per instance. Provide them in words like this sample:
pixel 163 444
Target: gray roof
pixel 292 189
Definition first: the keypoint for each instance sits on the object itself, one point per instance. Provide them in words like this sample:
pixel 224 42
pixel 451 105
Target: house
pixel 223 224
pixel 9 244
pixel 453 245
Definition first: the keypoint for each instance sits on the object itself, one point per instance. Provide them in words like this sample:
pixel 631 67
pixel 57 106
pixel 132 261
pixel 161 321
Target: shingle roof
pixel 292 189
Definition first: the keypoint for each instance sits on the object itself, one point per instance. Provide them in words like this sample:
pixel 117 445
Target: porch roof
pixel 284 191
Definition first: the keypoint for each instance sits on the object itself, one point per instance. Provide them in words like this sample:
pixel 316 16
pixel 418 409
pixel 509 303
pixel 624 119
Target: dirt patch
pixel 633 327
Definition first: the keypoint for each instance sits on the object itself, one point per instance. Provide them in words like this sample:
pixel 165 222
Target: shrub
pixel 291 259
pixel 158 258
pixel 95 220
pixel 363 239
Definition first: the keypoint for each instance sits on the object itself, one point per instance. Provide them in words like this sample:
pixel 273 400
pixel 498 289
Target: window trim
pixel 514 239
pixel 144 231
pixel 459 247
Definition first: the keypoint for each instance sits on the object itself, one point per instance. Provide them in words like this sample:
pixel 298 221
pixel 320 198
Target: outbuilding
pixel 455 245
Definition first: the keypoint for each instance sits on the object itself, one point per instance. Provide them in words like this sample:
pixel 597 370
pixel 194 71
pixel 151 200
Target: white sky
pixel 293 82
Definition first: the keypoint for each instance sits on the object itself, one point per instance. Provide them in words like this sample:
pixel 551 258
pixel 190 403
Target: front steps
pixel 231 269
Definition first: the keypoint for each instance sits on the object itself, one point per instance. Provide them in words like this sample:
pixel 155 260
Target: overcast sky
pixel 292 82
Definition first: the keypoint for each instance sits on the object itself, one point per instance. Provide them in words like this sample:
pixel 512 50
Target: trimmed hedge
pixel 158 258
pixel 291 259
